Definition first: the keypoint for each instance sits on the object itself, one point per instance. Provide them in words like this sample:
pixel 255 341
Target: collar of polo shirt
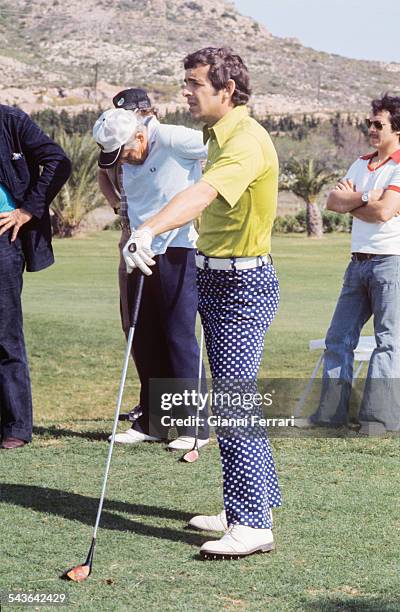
pixel 394 156
pixel 226 125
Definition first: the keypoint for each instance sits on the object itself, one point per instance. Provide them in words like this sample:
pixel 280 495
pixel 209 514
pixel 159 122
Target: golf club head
pixel 79 573
pixel 191 456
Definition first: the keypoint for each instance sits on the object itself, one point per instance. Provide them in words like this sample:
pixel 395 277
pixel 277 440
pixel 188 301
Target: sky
pixel 365 29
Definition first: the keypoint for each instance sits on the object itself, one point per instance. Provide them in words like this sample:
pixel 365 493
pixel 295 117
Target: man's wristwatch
pixel 365 198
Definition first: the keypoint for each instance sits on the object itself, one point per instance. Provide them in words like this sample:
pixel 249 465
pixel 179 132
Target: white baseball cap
pixel 112 130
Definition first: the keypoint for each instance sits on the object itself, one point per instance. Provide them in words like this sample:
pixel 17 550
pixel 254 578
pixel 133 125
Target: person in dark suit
pixel 33 169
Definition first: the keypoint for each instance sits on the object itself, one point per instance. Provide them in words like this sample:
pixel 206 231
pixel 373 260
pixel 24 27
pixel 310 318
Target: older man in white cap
pixel 157 162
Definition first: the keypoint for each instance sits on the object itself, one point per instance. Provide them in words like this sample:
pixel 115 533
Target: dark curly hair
pixel 224 65
pixel 391 104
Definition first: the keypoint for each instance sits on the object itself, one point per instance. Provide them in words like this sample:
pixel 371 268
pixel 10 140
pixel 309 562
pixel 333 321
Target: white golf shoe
pixel 186 443
pixel 239 541
pixel 131 436
pixel 216 522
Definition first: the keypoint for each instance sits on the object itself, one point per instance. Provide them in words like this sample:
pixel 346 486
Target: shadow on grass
pixel 353 604
pixel 57 432
pixel 75 507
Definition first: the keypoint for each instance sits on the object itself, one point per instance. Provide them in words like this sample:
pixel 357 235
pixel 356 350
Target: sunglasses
pixel 378 125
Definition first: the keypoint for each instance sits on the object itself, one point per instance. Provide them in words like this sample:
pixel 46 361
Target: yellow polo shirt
pixel 242 165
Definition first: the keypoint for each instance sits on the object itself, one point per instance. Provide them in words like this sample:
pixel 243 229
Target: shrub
pixel 113 225
pixel 227 15
pixel 194 6
pixel 52 121
pixel 80 194
pixel 288 224
pixel 335 222
pixel 181 117
pixel 297 224
pixel 165 71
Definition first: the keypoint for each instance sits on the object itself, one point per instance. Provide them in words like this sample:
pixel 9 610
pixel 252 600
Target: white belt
pixel 233 263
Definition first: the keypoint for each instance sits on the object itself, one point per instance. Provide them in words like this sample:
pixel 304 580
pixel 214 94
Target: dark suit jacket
pixel 24 148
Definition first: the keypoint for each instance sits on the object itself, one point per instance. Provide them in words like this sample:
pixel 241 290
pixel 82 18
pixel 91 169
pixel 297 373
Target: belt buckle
pixel 202 261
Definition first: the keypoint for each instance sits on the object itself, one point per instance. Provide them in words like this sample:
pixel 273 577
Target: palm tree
pixel 306 178
pixel 80 194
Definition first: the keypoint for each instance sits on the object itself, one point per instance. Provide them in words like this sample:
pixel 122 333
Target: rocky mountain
pixel 69 53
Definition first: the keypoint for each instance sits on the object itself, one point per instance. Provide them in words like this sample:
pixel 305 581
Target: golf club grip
pixel 137 300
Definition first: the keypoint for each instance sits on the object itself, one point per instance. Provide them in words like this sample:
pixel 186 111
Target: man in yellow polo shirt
pixel 242 166
pixel 238 287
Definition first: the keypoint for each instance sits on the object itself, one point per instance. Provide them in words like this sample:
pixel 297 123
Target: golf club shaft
pixel 136 306
pixel 196 431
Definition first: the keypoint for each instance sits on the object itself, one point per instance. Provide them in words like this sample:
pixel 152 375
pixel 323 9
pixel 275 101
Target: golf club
pixel 81 572
pixel 192 455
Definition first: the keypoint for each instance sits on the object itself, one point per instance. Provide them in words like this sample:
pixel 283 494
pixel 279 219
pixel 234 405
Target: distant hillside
pixel 54 52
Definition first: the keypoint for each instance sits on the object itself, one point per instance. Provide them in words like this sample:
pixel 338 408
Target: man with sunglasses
pixel 370 192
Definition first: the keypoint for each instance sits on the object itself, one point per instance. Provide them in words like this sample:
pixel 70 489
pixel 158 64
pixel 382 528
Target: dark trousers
pixel 15 386
pixel 165 345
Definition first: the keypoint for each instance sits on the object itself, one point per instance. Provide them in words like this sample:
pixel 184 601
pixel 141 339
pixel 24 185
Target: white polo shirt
pixel 379 238
pixel 172 164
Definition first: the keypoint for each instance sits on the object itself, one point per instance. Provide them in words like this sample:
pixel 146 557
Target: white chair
pixel 362 353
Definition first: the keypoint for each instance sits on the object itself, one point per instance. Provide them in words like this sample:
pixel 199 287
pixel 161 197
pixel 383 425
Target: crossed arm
pixel 382 204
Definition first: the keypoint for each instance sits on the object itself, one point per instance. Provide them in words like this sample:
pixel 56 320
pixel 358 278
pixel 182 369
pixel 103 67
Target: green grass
pixel 337 533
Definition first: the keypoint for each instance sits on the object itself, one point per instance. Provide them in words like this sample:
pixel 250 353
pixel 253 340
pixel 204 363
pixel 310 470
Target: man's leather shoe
pixel 372 428
pixel 11 443
pixel 239 541
pixel 216 522
pixel 203 522
pixel 186 443
pixel 131 436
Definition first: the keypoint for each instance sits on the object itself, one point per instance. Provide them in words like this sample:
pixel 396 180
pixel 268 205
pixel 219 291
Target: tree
pixel 306 178
pixel 80 194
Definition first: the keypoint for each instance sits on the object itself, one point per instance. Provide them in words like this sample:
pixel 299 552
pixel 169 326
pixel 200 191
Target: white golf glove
pixel 137 251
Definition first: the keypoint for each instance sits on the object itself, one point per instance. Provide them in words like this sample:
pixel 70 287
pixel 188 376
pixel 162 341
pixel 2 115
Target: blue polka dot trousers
pixel 236 309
